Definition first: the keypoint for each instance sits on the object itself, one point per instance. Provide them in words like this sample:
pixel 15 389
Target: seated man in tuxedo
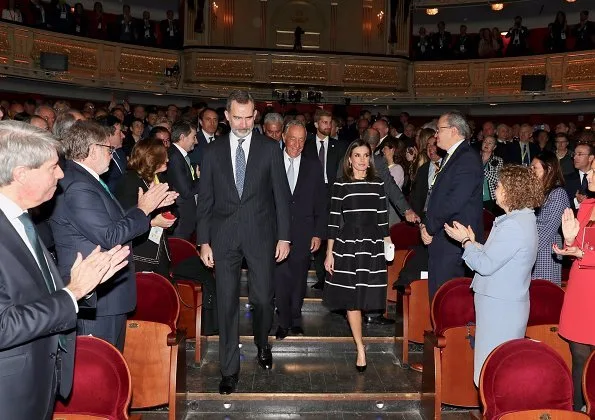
pixel 183 178
pixel 576 182
pixel 307 224
pixel 38 311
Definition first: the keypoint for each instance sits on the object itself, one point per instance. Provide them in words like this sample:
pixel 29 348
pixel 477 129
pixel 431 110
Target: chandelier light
pixel 432 12
pixel 497 6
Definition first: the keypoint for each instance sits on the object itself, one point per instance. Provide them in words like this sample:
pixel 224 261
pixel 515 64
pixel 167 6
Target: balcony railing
pixel 212 72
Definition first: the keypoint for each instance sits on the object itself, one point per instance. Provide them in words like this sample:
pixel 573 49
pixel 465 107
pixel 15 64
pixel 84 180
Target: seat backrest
pixel 180 250
pixel 589 385
pixel 157 300
pixel 404 235
pixel 546 302
pixel 101 384
pixel 548 334
pixel 544 414
pixel 524 374
pixel 453 305
pixel 419 310
pixel 458 387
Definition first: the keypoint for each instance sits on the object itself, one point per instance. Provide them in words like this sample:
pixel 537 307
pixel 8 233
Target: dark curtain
pixel 199 22
pixel 394 5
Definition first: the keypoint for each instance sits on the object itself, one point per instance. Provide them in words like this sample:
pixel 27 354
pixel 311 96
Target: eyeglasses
pixel 111 148
pixel 582 154
pixel 445 127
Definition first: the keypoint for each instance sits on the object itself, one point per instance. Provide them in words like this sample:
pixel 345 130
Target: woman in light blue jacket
pixel 503 265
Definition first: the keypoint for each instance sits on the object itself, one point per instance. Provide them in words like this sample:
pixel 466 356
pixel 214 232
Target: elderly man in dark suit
pixel 183 178
pixel 243 212
pixel 455 193
pixel 87 215
pixel 37 311
pixel 308 225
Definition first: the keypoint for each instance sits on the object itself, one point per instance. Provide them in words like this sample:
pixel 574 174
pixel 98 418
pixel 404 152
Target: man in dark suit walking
pixel 243 212
pixel 330 154
pixel 456 193
pixel 308 225
pixel 87 215
pixel 183 178
pixel 209 121
pixel 37 311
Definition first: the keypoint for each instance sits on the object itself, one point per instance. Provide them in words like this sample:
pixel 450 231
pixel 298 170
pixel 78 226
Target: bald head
pixel 372 137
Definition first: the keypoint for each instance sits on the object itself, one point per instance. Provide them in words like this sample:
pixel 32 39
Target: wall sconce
pixel 380 25
pixel 496 7
pixel 432 12
pixel 214 14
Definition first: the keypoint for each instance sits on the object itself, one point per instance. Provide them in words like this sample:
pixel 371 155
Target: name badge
pixel 171 32
pixel 155 234
pixel 63 15
pixel 99 25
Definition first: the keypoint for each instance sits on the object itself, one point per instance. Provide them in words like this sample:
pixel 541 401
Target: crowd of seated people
pixel 60 16
pixel 517 41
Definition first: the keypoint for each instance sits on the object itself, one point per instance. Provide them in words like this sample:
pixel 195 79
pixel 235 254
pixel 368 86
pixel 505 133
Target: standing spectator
pixel 423 46
pixel 522 152
pixel 464 47
pixel 518 36
pixel 171 36
pixel 564 155
pixel 395 161
pixel 559 33
pixel 485 48
pixel 79 20
pixel 548 265
pixel 577 182
pixel 147 32
pixel 117 166
pixel 577 315
pixel 584 32
pixel 37 15
pixel 423 176
pixel 491 167
pixel 455 194
pixel 297 38
pixel 542 139
pixel 12 12
pixel 208 122
pixel 126 29
pixel 503 264
pixel 60 16
pixel 98 22
pixel 355 254
pixel 497 42
pixel 442 42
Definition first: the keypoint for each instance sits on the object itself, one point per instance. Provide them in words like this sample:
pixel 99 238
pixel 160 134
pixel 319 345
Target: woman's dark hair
pixel 146 157
pixel 399 147
pixel 348 170
pixel 552 176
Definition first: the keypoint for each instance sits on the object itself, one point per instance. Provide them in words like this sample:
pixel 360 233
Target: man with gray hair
pixel 87 215
pixel 47 113
pixel 273 127
pixel 455 194
pixel 37 311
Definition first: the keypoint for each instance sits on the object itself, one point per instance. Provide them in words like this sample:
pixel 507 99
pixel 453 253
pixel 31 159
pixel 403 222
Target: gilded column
pixel 403 22
pixel 228 14
pixel 263 23
pixel 366 24
pixel 333 31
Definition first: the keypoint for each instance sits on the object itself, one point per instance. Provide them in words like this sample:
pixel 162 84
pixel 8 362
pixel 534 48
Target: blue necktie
pixel 33 237
pixel 240 167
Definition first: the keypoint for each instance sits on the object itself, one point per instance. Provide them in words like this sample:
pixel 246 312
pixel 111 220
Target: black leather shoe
pixel 297 331
pixel 319 285
pixel 265 357
pixel 228 384
pixel 281 333
pixel 361 369
pixel 378 320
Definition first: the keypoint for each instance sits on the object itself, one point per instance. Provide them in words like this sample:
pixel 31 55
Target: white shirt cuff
pixel 76 305
pixel 576 204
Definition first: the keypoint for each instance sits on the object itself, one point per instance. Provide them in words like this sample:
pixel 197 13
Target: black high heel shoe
pixel 361 369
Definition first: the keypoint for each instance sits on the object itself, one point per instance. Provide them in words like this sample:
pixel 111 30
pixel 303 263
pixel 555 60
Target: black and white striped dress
pixel 358 222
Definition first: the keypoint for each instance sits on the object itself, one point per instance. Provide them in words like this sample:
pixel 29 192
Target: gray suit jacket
pixel 503 265
pixel 393 192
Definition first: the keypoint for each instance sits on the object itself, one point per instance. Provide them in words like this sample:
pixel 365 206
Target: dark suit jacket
pixel 393 192
pixel 117 168
pixel 180 180
pixel 199 150
pixel 457 195
pixel 31 318
pixel 572 185
pixel 419 189
pixel 513 152
pixel 86 216
pixel 261 217
pixel 308 206
pixel 334 156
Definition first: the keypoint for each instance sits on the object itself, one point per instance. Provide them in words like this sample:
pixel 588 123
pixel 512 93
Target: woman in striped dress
pixel 358 227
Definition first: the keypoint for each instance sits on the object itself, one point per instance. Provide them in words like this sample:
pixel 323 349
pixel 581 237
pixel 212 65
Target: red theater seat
pixel 101 385
pixel 589 385
pixel 524 375
pixel 405 235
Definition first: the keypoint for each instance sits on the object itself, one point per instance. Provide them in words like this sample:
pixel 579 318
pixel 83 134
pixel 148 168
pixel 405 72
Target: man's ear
pixel 20 174
pixel 316 124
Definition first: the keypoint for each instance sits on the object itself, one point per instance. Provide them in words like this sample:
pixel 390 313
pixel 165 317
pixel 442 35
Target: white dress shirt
pixel 296 166
pixel 207 136
pixel 86 168
pixel 326 143
pixel 12 212
pixel 233 145
pixel 182 151
pixel 432 170
pixel 581 174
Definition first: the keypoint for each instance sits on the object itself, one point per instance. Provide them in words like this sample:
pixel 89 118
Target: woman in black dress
pixel 150 252
pixel 358 228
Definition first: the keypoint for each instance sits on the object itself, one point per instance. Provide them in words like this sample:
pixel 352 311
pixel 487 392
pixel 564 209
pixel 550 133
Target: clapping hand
pixel 570 226
pixel 569 251
pixel 458 232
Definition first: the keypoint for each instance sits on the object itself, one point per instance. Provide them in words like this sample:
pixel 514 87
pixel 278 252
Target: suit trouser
pixel 111 328
pixel 290 287
pixel 444 263
pixel 228 263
